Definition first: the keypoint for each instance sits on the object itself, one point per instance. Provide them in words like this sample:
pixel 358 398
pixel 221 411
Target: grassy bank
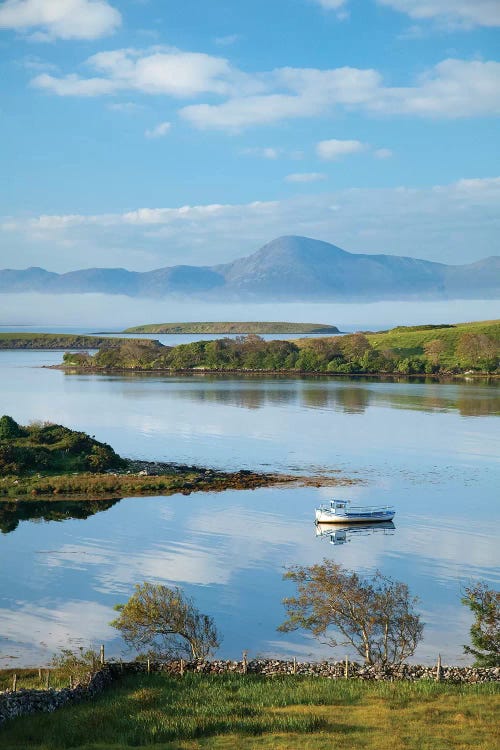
pixel 183 479
pixel 249 712
pixel 234 328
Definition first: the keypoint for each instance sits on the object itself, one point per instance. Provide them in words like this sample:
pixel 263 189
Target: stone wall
pixel 332 670
pixel 24 702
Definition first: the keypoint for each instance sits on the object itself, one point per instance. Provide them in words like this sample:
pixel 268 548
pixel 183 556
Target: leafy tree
pixel 76 664
pixel 374 615
pixel 484 603
pixel 167 622
pixel 479 351
pixel 9 428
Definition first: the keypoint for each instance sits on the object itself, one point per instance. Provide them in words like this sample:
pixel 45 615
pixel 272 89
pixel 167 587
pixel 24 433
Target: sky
pixel 150 133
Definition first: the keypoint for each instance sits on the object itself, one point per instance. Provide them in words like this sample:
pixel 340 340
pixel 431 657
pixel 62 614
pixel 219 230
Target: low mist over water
pixel 106 312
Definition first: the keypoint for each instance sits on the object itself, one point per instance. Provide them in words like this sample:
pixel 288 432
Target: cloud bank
pixel 455 223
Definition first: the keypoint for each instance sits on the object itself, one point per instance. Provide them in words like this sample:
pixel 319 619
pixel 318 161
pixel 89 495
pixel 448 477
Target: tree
pixel 166 621
pixel 374 615
pixel 484 603
pixel 433 350
pixel 9 429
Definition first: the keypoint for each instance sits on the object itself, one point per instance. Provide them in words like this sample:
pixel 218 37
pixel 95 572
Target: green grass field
pixel 410 341
pixel 250 712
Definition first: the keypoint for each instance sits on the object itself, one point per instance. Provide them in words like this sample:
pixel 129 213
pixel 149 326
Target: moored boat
pixel 341 511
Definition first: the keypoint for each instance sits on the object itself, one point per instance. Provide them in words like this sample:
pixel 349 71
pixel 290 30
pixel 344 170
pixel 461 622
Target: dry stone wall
pixel 24 702
pixel 332 670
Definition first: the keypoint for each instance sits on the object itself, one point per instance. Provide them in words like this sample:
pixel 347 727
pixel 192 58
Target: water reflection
pixel 12 512
pixel 352 396
pixel 338 533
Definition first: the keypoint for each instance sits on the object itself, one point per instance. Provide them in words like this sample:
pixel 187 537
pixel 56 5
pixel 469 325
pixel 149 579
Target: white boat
pixel 341 511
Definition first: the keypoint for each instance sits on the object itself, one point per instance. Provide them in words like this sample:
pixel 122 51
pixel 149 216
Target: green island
pixel 234 327
pixel 439 350
pixel 251 712
pixel 47 341
pixel 49 459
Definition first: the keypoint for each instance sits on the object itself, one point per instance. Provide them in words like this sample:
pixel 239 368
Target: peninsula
pixel 50 459
pixel 441 350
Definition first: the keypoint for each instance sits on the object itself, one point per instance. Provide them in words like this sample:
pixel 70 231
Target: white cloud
pixel 337 5
pixel 159 131
pixel 452 88
pixel 267 152
pixel 305 177
pixel 157 71
pixel 335 149
pixel 228 40
pixel 60 19
pixel 127 107
pixel 382 153
pixel 465 13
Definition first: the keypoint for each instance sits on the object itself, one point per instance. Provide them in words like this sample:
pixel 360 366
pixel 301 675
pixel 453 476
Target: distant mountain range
pixel 286 269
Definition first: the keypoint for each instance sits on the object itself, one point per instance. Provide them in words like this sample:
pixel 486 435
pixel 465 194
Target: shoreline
pixel 382 376
pixel 150 478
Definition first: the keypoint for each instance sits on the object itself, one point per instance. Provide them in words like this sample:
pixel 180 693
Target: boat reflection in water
pixel 338 533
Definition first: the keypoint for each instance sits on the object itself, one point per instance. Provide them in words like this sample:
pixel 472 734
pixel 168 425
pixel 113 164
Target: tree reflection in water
pixel 13 512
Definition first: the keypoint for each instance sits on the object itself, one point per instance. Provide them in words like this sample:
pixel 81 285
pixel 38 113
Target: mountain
pixel 288 268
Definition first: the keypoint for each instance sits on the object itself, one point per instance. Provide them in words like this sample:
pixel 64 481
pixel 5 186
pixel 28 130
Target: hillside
pixel 288 268
pixel 235 327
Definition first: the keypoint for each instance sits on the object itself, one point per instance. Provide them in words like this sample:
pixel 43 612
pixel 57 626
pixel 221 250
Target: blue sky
pixel 147 133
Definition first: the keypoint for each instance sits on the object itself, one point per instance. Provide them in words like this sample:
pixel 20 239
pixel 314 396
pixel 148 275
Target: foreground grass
pixel 236 711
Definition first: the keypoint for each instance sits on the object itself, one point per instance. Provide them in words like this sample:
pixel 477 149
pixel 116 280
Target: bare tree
pixel 374 615
pixel 167 622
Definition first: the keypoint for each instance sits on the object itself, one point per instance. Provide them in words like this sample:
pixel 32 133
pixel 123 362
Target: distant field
pixel 249 712
pixel 235 327
pixel 410 341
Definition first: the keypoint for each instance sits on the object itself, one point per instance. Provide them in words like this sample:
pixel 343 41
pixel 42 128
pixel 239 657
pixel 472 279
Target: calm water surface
pixel 430 448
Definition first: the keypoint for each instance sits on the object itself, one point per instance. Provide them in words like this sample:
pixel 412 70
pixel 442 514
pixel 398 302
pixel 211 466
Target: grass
pixel 233 327
pixel 248 711
pixel 29 679
pixel 410 341
pixel 107 485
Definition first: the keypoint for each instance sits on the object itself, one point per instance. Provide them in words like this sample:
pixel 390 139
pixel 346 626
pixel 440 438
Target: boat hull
pixel 326 516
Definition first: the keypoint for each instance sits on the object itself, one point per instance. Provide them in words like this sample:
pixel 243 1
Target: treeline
pixel 351 354
pixel 51 448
